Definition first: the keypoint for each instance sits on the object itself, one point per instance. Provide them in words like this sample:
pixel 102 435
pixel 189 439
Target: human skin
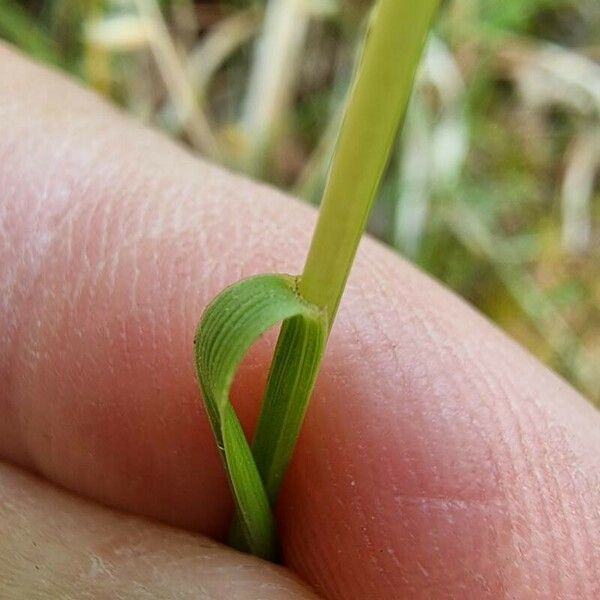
pixel 437 460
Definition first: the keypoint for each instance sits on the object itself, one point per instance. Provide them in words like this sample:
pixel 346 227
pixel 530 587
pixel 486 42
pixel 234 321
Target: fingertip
pixel 438 459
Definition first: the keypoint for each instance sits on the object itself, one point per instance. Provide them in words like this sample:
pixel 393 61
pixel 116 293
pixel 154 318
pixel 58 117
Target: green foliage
pixel 229 326
pixel 18 26
pixel 307 305
pixel 515 15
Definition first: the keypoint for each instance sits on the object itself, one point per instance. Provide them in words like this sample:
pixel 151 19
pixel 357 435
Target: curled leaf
pixel 228 328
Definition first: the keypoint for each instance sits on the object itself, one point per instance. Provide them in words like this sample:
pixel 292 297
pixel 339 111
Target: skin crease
pixel 438 459
pixel 53 545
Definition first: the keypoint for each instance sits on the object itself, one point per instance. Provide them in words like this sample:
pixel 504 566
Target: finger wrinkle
pixel 491 387
pixel 300 547
pixel 572 540
pixel 57 546
pixel 432 369
pixel 41 217
pixel 546 448
pixel 518 468
pixel 546 489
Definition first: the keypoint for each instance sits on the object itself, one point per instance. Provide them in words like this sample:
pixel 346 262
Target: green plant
pixel 307 304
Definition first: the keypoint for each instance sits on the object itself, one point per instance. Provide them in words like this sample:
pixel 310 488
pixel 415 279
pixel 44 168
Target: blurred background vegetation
pixel 494 185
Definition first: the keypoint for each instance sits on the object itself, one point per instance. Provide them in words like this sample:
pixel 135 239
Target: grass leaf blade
pixel 229 327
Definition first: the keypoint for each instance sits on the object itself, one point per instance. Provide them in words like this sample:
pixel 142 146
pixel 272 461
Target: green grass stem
pixel 377 103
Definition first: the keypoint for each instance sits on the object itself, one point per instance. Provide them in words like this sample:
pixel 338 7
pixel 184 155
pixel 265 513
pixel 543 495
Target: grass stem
pixel 378 101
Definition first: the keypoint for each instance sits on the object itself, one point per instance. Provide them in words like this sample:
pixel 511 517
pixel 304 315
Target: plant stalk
pixel 377 104
pixel 378 100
